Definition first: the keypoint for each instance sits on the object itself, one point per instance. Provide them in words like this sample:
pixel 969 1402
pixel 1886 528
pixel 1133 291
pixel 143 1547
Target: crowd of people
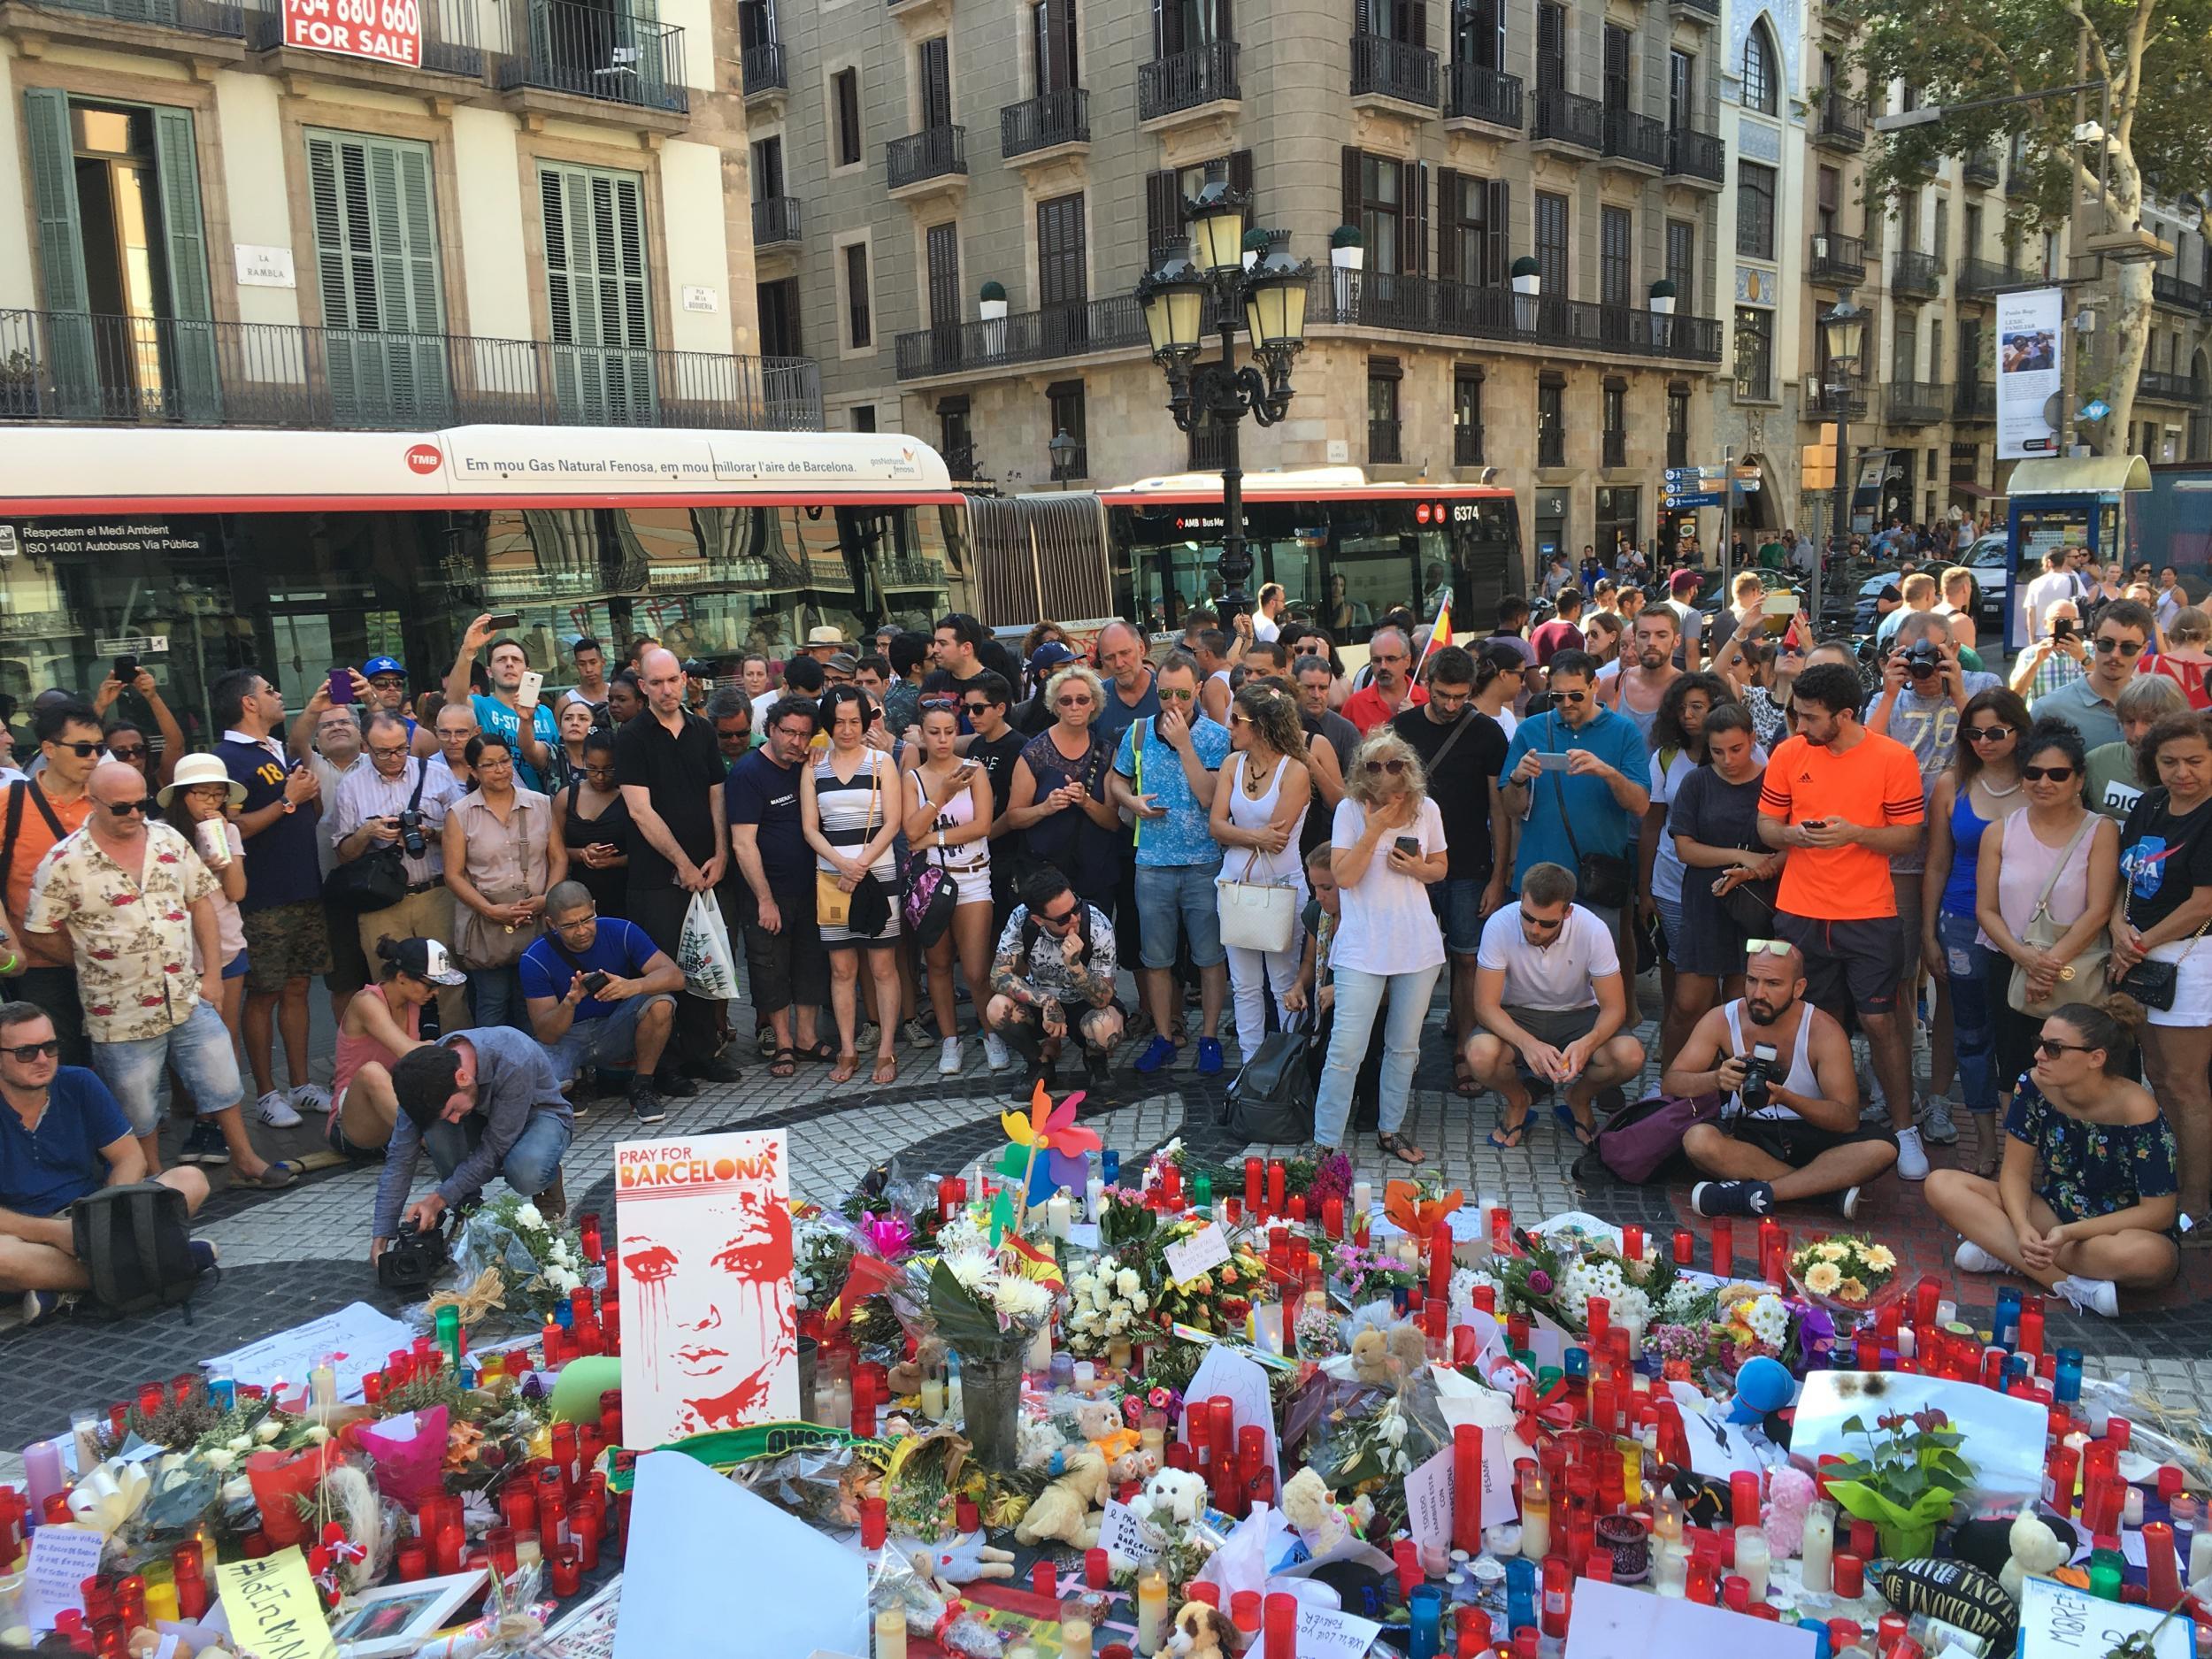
pixel 493 882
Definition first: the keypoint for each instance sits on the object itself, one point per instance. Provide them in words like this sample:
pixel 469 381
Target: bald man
pixel 670 770
pixel 1797 1136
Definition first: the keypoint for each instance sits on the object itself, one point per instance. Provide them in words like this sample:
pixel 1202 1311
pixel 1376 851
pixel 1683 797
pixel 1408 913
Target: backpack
pixel 1639 1143
pixel 1271 1099
pixel 135 1245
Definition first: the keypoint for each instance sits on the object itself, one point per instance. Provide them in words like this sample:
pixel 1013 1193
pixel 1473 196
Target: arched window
pixel 1762 79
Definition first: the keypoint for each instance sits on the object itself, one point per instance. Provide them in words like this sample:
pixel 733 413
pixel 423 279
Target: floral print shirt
pixel 2091 1169
pixel 131 934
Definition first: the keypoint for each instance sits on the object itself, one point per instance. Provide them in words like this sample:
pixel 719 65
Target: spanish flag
pixel 1440 632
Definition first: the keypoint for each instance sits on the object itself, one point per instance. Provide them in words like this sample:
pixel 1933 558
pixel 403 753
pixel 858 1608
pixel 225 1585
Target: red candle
pixel 519 1506
pixel 1558 1595
pixel 1868 1347
pixel 1775 1259
pixel 587 1520
pixel 1252 1186
pixel 501 1541
pixel 1221 1427
pixel 1333 1217
pixel 1463 1345
pixel 568 1571
pixel 1209 1594
pixel 1743 1497
pixel 1282 1627
pixel 1925 1294
pixel 875 1523
pixel 1433 1317
pixel 1277 1175
pixel 1298 1209
pixel 1599 1566
pixel 1850 1571
pixel 589 1235
pixel 1500 1230
pixel 1862 1541
pixel 1171 1185
pixel 2058 1477
pixel 1407 1555
pixel 1467 1488
pixel 1097 1568
pixel 1684 1247
pixel 1473 1628
pixel 414 1563
pixel 1441 1260
pixel 865 1403
pixel 1044 1580
pixel 150 1399
pixel 1486 1300
pixel 2117 1432
pixel 1735 1592
pixel 1723 1247
pixel 2162 1566
pixel 951 1191
pixel 446 1552
pixel 1633 1243
pixel 2031 1330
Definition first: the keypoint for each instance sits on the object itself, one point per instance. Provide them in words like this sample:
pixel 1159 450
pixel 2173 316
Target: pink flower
pixel 1540 1281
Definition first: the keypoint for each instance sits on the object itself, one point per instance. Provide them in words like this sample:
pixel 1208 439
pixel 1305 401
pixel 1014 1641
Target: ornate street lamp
pixel 1064 448
pixel 1260 286
pixel 1843 330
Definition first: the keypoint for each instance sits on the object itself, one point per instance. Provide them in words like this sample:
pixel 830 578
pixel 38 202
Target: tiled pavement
pixel 292 1256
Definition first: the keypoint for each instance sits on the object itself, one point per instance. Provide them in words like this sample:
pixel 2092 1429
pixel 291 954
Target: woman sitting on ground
pixel 2085 1201
pixel 381 1022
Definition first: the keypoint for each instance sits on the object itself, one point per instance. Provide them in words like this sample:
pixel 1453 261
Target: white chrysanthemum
pixel 973 1268
pixel 1127 1282
pixel 1021 1299
pixel 1768 1319
pixel 527 1215
pixel 1138 1301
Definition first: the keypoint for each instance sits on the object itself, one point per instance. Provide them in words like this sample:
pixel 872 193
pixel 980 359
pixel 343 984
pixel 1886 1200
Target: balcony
pixel 1694 11
pixel 1394 71
pixel 1841 124
pixel 450 47
pixel 2173 292
pixel 1837 261
pixel 575 52
pixel 1821 402
pixel 1466 445
pixel 1915 275
pixel 1551 446
pixel 1636 141
pixel 933 153
pixel 80 366
pixel 2162 387
pixel 1916 403
pixel 1382 442
pixel 1699 156
pixel 210 28
pixel 764 71
pixel 1050 123
pixel 1614 452
pixel 1567 119
pixel 1987 276
pixel 1045 336
pixel 1422 305
pixel 1488 96
pixel 775 221
pixel 1980 170
pixel 1188 81
pixel 1976 400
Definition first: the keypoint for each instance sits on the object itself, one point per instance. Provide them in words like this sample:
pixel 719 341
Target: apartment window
pixel 1383 376
pixel 858 331
pixel 845 116
pixel 1619 515
pixel 778 304
pixel 597 292
pixel 1761 84
pixel 1466 416
pixel 1908 220
pixel 1754 352
pixel 1551 243
pixel 1478 34
pixel 1061 279
pixel 1616 86
pixel 941 245
pixel 1052 44
pixel 1942 249
pixel 1681 90
pixel 1064 401
pixel 1828 201
pixel 1678 426
pixel 1471 245
pixel 1616 237
pixel 1551 47
pixel 863 417
pixel 768 169
pixel 1755 211
pixel 755 23
pixel 1935 349
pixel 1682 264
pixel 1616 404
pixel 1904 348
pixel 956 439
pixel 1382 212
pixel 933 69
pixel 1551 427
pixel 1188 26
pixel 1970 232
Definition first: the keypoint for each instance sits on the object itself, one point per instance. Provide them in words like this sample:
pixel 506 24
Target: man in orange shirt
pixel 36 814
pixel 1841 801
pixel 1392 690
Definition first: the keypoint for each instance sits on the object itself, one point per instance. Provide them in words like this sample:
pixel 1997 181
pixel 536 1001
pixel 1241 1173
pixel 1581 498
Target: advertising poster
pixel 709 1325
pixel 2027 344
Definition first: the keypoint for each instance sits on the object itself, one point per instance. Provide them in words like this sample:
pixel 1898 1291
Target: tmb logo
pixel 424 457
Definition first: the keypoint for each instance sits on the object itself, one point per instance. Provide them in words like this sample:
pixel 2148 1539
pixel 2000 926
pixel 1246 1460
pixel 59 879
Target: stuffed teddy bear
pixel 1202 1631
pixel 1383 1361
pixel 2036 1552
pixel 1322 1523
pixel 1789 1496
pixel 1102 1425
pixel 1135 1464
pixel 1180 1492
pixel 905 1378
pixel 1063 1510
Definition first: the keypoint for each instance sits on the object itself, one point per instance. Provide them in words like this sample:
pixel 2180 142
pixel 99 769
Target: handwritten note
pixel 1326 1633
pixel 2060 1622
pixel 1204 1251
pixel 1122 1532
pixel 360 1335
pixel 62 1558
pixel 273 1609
pixel 1429 1496
pixel 1613 1621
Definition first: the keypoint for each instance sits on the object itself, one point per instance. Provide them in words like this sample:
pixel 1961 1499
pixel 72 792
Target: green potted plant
pixel 1909 1481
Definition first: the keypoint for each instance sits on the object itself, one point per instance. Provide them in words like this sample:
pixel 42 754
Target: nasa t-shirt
pixel 2163 859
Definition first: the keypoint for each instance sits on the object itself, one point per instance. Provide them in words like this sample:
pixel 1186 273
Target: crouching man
pixel 1054 969
pixel 599 993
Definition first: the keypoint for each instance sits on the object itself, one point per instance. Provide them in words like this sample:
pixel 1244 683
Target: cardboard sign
pixel 273 1608
pixel 62 1558
pixel 1614 1620
pixel 1123 1533
pixel 360 1336
pixel 2060 1622
pixel 2006 1434
pixel 1204 1251
pixel 1429 1498
pixel 711 1322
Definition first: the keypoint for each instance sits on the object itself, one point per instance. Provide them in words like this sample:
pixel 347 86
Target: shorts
pixel 1793 1142
pixel 789 966
pixel 1557 1026
pixel 235 968
pixel 1847 964
pixel 137 1072
pixel 1457 902
pixel 609 1040
pixel 2192 986
pixel 1671 928
pixel 1179 900
pixel 972 885
pixel 287 943
pixel 334 1134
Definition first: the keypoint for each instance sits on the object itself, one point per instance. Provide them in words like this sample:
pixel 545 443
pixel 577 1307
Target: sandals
pixel 823 1051
pixel 887 1071
pixel 784 1063
pixel 276 1176
pixel 846 1066
pixel 1463 1081
pixel 1400 1149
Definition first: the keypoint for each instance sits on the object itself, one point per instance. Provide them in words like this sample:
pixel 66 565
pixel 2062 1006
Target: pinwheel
pixel 1052 1130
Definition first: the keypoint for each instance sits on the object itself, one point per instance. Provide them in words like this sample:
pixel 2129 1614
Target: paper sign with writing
pixel 2006 1433
pixel 710 1322
pixel 1429 1501
pixel 1226 1371
pixel 1123 1533
pixel 1720 1448
pixel 360 1335
pixel 2060 1622
pixel 1204 1251
pixel 1612 1621
pixel 1329 1633
pixel 1502 1447
pixel 273 1608
pixel 62 1558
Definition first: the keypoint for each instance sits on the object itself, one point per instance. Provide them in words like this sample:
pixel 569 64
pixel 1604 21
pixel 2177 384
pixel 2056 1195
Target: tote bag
pixel 1256 915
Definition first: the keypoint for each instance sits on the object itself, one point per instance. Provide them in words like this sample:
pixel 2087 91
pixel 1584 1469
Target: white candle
pixel 322 1384
pixel 1751 1560
pixel 1363 1197
pixel 933 1395
pixel 1947 1312
pixel 1093 1200
pixel 2199 1555
pixel 1819 1549
pixel 2132 1507
pixel 1058 1213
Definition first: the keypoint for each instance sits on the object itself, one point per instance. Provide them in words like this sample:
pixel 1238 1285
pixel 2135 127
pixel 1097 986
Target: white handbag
pixel 1256 915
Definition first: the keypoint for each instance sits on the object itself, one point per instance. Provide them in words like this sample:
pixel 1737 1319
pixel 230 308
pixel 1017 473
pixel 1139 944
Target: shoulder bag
pixel 1602 880
pixel 19 792
pixel 931 892
pixel 377 878
pixel 1260 916
pixel 2083 979
pixel 832 905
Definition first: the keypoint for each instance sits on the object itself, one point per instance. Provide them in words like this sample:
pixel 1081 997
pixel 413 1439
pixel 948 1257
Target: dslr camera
pixel 1758 1078
pixel 1923 658
pixel 412 1261
pixel 411 836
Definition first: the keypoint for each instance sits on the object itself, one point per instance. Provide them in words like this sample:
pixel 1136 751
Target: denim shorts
pixel 1457 902
pixel 1184 895
pixel 137 1073
pixel 611 1040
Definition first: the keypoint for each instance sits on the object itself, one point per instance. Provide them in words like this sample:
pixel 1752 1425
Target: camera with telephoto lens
pixel 410 835
pixel 1758 1078
pixel 1923 658
pixel 413 1260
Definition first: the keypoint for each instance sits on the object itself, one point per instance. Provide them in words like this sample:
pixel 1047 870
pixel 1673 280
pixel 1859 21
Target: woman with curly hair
pixel 1257 811
pixel 1058 795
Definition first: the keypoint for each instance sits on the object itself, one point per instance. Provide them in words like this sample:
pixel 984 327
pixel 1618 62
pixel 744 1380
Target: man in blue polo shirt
pixel 62 1136
pixel 625 1020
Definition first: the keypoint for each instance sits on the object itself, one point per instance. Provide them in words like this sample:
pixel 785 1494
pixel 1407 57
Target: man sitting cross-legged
pixel 1799 1137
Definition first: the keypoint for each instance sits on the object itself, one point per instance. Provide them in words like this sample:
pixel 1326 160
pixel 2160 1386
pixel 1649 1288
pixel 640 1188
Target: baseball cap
pixel 423 959
pixel 1051 654
pixel 1684 582
pixel 377 665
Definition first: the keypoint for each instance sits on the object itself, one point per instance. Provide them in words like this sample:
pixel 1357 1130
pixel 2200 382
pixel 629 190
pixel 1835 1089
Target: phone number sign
pixel 386 31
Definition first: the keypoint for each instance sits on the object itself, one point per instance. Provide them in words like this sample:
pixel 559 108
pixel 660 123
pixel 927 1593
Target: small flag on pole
pixel 1440 632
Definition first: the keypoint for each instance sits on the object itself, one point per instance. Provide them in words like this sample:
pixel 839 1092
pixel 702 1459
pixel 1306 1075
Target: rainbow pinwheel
pixel 1050 1149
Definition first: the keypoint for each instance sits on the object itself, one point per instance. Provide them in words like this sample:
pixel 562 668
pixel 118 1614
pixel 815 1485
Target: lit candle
pixel 1633 1243
pixel 322 1383
pixel 1752 1561
pixel 933 1394
pixel 1819 1549
pixel 1075 1633
pixel 1151 1611
pixel 1277 1179
pixel 1093 1200
pixel 1059 1212
pixel 1535 1515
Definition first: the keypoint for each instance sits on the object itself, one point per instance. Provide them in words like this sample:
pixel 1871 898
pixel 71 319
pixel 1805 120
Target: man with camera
pixel 484 1102
pixel 2058 657
pixel 400 800
pixel 1790 1126
pixel 599 993
pixel 2123 632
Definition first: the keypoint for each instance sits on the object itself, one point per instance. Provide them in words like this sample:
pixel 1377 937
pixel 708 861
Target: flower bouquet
pixel 1215 1302
pixel 987 1306
pixel 538 1262
pixel 1107 1301
pixel 1851 1275
pixel 1908 1482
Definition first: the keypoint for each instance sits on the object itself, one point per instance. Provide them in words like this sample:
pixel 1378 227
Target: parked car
pixel 1991 563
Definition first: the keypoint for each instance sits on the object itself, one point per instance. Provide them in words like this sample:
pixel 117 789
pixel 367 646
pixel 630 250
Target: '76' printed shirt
pixel 133 934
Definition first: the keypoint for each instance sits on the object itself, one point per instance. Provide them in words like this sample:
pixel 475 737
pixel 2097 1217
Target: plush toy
pixel 1789 1496
pixel 906 1377
pixel 1135 1464
pixel 1762 1385
pixel 1063 1510
pixel 1383 1361
pixel 1102 1425
pixel 960 1560
pixel 1322 1523
pixel 1180 1492
pixel 2036 1552
pixel 1202 1631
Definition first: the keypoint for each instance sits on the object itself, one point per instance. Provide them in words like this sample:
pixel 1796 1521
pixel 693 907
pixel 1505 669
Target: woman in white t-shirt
pixel 1388 841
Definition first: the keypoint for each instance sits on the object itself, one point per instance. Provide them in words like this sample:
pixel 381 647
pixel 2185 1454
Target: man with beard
pixel 1393 690
pixel 1798 1136
pixel 1637 689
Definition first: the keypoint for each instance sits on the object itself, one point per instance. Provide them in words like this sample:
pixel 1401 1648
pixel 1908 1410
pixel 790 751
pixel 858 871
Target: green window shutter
pixel 376 263
pixel 70 364
pixel 191 302
pixel 597 294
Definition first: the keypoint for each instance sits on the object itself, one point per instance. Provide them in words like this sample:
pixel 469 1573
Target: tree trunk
pixel 2131 316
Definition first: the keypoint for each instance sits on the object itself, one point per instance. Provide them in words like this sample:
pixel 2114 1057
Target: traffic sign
pixel 2096 409
pixel 1698 498
pixel 1690 474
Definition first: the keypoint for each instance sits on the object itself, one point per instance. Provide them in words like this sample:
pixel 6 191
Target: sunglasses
pixel 1394 767
pixel 1772 947
pixel 1544 924
pixel 1083 702
pixel 1237 717
pixel 2126 648
pixel 977 708
pixel 138 753
pixel 127 809
pixel 387 682
pixel 2051 1048
pixel 1988 734
pixel 82 751
pixel 1177 697
pixel 1060 921
pixel 2057 774
pixel 1577 697
pixel 950 705
pixel 24 1053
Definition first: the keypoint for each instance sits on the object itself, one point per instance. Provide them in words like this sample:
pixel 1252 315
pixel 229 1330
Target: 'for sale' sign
pixel 389 31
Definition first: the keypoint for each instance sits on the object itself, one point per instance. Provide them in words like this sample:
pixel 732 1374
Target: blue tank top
pixel 1967 826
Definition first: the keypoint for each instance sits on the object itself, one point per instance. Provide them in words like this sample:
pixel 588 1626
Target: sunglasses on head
pixel 2057 774
pixel 1394 767
pixel 24 1053
pixel 1772 947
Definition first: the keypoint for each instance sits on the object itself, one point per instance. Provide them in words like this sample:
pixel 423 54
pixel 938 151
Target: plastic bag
pixel 704 951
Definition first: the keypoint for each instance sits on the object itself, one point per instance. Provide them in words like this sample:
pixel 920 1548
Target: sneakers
pixel 1912 1157
pixel 714 1069
pixel 205 1254
pixel 2090 1295
pixel 1210 1057
pixel 274 1108
pixel 39 1303
pixel 949 1057
pixel 310 1097
pixel 204 1144
pixel 1969 1257
pixel 1157 1054
pixel 553 1201
pixel 995 1052
pixel 645 1103
pixel 1732 1198
pixel 673 1085
pixel 1935 1127
pixel 918 1033
pixel 1848 1202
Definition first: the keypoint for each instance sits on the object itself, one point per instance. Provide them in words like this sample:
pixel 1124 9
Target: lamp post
pixel 1064 448
pixel 1843 328
pixel 1209 267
